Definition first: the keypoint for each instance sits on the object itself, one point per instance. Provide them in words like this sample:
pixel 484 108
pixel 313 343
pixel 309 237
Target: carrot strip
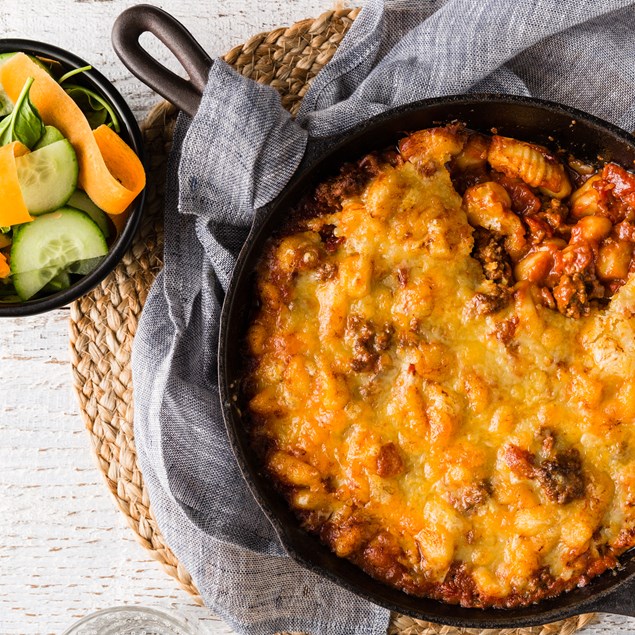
pixel 118 155
pixel 5 271
pixel 119 220
pixel 13 209
pixel 111 175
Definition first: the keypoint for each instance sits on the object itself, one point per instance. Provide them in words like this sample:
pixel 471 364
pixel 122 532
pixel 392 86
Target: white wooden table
pixel 65 549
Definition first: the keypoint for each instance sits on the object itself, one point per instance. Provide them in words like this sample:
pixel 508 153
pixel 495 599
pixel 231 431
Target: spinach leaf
pixel 5 125
pixel 24 124
pixel 96 109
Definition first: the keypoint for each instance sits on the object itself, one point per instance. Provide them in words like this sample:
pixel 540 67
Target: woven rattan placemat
pixel 103 323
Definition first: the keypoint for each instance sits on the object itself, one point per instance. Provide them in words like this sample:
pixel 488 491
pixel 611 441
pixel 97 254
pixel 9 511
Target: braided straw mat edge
pixel 103 322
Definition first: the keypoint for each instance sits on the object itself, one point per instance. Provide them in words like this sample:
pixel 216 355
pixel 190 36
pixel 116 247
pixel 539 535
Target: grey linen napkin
pixel 235 156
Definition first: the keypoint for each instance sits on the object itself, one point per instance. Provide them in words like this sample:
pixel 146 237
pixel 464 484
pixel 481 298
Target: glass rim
pixel 182 623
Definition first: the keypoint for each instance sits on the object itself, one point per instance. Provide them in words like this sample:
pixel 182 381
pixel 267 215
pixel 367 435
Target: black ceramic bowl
pixel 130 133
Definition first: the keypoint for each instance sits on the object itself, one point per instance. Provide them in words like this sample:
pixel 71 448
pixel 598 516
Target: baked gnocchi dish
pixel 441 366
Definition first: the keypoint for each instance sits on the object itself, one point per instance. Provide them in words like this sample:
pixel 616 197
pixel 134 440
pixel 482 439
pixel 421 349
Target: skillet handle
pixel 619 601
pixel 131 24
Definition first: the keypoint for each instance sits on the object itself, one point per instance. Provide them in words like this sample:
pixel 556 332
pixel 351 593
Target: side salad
pixel 66 177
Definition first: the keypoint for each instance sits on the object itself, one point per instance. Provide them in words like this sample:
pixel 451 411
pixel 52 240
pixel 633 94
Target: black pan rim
pixel 597 598
pixel 131 134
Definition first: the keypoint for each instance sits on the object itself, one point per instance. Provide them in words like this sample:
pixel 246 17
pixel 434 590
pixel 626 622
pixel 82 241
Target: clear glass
pixel 132 620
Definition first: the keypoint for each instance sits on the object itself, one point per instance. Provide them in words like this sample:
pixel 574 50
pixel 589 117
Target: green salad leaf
pixel 96 109
pixel 72 73
pixel 5 103
pixel 7 293
pixel 24 124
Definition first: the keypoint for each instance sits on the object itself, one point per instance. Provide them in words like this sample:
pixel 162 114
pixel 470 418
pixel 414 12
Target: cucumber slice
pixel 48 176
pixel 80 200
pixel 84 267
pixel 47 246
pixel 51 135
pixel 59 283
pixel 27 284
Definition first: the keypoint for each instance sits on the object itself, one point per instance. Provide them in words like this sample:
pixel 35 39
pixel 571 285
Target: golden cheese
pixel 438 446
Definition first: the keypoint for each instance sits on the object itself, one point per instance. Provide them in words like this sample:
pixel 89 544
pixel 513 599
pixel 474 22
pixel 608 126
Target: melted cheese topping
pixel 401 421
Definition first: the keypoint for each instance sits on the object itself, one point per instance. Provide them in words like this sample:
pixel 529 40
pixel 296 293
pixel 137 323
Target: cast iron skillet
pixel 130 133
pixel 530 119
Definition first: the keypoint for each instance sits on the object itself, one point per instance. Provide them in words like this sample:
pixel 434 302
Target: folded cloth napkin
pixel 234 157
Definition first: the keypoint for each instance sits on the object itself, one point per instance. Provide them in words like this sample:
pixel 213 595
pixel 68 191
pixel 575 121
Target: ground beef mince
pixel 562 478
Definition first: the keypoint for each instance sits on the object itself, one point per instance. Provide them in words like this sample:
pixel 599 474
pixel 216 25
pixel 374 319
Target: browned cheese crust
pixel 441 367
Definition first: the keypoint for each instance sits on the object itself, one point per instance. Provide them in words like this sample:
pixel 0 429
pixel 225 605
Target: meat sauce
pixel 439 367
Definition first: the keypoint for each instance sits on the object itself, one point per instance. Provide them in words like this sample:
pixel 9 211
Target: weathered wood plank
pixel 65 549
